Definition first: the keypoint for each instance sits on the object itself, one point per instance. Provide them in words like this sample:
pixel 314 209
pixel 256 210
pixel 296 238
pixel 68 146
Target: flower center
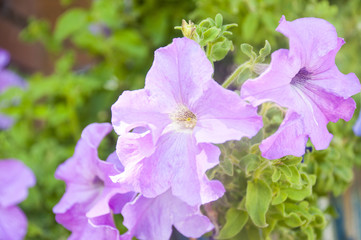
pixel 184 118
pixel 301 77
pixel 97 182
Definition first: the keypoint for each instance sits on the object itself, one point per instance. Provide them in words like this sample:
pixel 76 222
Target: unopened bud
pixel 188 29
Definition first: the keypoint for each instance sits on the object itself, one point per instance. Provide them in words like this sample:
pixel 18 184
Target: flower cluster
pixel 166 131
pixel 306 80
pixel 15 179
pixel 156 178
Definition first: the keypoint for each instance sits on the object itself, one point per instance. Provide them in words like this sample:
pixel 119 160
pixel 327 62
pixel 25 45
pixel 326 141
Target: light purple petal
pixel 357 127
pixel 87 177
pixel 273 85
pixel 15 179
pixel 10 79
pixel 306 80
pixel 135 145
pixel 310 40
pixel 152 218
pixel 82 228
pixel 138 109
pixel 177 163
pixel 13 223
pixel 4 58
pixel 290 138
pixel 331 106
pixel 178 74
pixel 5 122
pixel 222 116
pixel 336 83
pixel 198 188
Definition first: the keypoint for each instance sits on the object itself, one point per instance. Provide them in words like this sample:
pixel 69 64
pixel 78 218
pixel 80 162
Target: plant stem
pixel 235 74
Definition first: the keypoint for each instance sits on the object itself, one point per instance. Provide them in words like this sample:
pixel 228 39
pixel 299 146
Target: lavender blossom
pixel 166 129
pixel 357 126
pixel 91 197
pixel 7 79
pixel 15 179
pixel 152 218
pixel 306 80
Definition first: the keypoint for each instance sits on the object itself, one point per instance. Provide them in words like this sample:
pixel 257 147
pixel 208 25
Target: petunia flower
pixel 15 179
pixel 357 126
pixel 166 129
pixel 7 79
pixel 306 80
pixel 91 197
pixel 153 218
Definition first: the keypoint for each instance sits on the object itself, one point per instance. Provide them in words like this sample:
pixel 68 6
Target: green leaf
pixel 227 166
pixel 293 220
pixel 70 22
pixel 219 20
pixel 279 198
pixel 258 199
pixel 250 25
pixel 291 160
pixel 248 50
pixel 295 176
pixel 298 194
pixel 211 34
pixel 220 49
pixel 285 170
pixel 65 63
pixel 276 175
pixel 309 232
pixel 264 52
pixel 235 221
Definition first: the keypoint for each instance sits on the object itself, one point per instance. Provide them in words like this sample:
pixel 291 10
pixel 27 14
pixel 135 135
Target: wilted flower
pixel 166 128
pixel 15 179
pixel 306 80
pixel 91 197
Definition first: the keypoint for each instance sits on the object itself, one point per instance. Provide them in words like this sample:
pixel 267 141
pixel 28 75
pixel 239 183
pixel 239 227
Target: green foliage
pixel 258 198
pixel 280 196
pixel 119 39
pixel 264 199
pixel 235 221
pixel 211 34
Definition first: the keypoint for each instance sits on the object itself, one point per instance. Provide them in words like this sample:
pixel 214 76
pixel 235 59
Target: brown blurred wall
pixel 13 18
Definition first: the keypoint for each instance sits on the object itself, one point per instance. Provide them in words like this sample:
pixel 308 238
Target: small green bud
pixel 188 29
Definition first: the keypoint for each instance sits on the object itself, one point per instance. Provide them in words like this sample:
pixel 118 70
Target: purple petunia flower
pixel 306 80
pixel 7 79
pixel 357 126
pixel 91 197
pixel 166 128
pixel 15 179
pixel 152 218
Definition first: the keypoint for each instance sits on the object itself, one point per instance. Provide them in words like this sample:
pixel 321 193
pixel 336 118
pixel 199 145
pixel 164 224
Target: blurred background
pixel 77 56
